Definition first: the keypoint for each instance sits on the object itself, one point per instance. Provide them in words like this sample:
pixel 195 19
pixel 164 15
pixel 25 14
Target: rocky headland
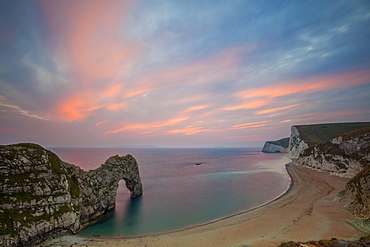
pixel 43 196
pixel 279 146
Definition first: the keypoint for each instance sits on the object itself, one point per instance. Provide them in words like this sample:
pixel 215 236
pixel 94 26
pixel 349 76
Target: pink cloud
pixel 314 84
pixel 151 127
pixel 87 35
pixel 101 123
pixel 189 131
pixel 249 125
pixel 278 108
pixel 250 104
pixel 222 65
pixel 7 130
pixel 196 108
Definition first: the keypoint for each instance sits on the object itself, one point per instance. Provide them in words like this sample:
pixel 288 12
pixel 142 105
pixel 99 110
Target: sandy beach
pixel 306 212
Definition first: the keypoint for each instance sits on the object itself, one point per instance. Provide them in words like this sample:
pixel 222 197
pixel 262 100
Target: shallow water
pixel 179 194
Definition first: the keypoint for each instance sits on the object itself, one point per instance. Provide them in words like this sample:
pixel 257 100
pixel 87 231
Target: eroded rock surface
pixel 305 136
pixel 42 196
pixel 356 199
pixel 343 156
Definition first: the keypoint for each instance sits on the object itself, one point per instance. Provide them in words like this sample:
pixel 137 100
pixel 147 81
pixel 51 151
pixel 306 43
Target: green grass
pixel 55 163
pixel 74 186
pixel 316 133
pixel 282 142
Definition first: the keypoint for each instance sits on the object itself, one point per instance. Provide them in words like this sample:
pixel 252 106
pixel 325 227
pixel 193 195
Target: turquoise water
pixel 179 194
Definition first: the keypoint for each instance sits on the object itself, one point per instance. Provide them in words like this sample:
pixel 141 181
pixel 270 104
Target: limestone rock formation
pixel 42 196
pixel 279 146
pixel 356 199
pixel 343 156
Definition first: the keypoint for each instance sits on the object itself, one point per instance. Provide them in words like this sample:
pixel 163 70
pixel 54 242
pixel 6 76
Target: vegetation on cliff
pixel 315 133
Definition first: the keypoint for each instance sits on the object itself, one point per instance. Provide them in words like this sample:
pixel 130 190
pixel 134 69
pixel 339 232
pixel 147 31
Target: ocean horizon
pixel 179 194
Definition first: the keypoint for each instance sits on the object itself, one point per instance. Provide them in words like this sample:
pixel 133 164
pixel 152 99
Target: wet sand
pixel 306 212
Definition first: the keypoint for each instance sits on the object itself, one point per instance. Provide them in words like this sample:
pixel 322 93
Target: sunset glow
pixel 179 73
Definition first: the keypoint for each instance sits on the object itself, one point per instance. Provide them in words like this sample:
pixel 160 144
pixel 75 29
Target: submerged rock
pixel 43 196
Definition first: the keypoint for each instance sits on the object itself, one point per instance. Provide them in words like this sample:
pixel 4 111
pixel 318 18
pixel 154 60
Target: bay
pixel 178 193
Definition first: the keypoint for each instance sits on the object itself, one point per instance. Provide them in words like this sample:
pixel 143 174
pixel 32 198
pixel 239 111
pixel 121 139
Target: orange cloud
pixel 74 108
pixel 262 96
pixel 151 127
pixel 278 108
pixel 170 122
pixel 101 123
pixel 196 108
pixel 309 85
pixel 249 125
pixel 132 127
pixel 87 36
pixel 252 104
pixel 135 92
pixel 112 91
pixel 189 131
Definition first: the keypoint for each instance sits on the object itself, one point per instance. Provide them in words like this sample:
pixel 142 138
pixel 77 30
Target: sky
pixel 94 73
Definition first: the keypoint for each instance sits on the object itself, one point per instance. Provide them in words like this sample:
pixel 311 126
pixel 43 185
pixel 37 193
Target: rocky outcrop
pixel 343 156
pixel 42 196
pixel 356 198
pixel 279 146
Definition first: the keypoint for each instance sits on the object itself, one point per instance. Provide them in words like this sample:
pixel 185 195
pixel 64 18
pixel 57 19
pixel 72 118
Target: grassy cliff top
pixel 284 142
pixel 316 133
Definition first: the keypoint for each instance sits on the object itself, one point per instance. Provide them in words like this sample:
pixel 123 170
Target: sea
pixel 179 194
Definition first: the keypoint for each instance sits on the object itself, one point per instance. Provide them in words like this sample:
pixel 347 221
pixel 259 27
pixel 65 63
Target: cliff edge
pixel 43 196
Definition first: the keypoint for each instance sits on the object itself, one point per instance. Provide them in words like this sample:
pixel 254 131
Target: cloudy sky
pixel 179 73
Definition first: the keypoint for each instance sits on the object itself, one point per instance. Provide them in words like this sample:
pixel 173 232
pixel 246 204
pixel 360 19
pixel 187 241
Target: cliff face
pixel 41 196
pixel 296 143
pixel 343 156
pixel 279 146
pixel 356 199
pixel 304 136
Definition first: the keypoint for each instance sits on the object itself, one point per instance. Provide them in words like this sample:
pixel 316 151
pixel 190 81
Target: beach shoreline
pixel 306 211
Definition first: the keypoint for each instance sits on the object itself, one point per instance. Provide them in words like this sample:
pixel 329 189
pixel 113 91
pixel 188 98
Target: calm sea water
pixel 179 194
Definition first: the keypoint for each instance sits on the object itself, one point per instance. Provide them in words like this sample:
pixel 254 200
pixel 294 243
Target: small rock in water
pixel 198 164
